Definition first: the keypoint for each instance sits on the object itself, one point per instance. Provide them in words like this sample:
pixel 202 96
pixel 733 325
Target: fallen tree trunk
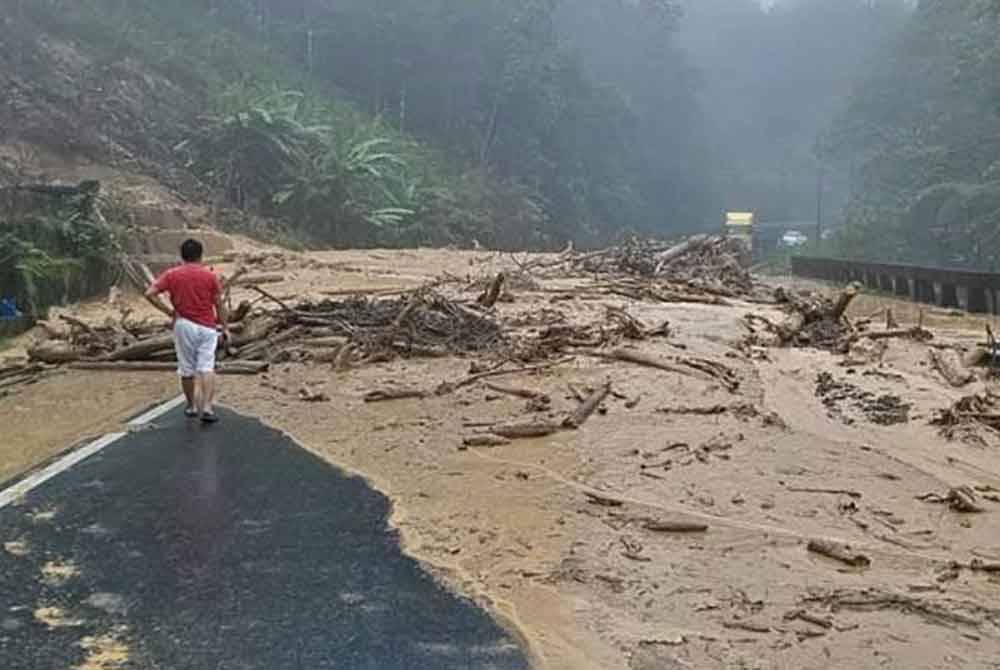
pixel 262 347
pixel 254 280
pixel 382 395
pixel 54 352
pixel 485 441
pixel 528 394
pixel 699 368
pixel 517 431
pixel 587 407
pixel 492 294
pixel 916 333
pixel 18 369
pixel 790 326
pixel 325 342
pixel 839 552
pixel 228 368
pixel 661 526
pixel 143 348
pixel 844 301
pixel 637 358
pixel 445 388
pixel 672 254
pixel 949 364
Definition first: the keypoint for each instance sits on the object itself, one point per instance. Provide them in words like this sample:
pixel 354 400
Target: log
pixel 844 492
pixel 916 333
pixel 445 388
pixel 661 526
pixel 962 499
pixel 949 364
pixel 839 552
pixel 844 301
pixel 54 352
pixel 670 255
pixel 24 378
pixel 142 348
pixel 254 331
pixel 382 395
pixel 324 342
pixel 258 348
pixel 77 323
pixel 518 393
pixel 228 368
pixel 485 441
pixel 517 431
pixel 790 326
pixel 323 355
pixel 18 369
pixel 587 407
pixel 979 356
pixel 645 360
pixel 603 500
pixel 492 293
pixel 255 280
pixel 344 357
pixel 241 312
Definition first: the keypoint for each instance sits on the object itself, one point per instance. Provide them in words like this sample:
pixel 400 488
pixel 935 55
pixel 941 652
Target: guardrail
pixel 971 290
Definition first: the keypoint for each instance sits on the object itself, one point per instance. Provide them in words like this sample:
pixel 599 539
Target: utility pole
pixel 820 177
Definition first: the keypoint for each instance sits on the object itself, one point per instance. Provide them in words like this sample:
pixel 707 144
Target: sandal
pixel 190 412
pixel 209 417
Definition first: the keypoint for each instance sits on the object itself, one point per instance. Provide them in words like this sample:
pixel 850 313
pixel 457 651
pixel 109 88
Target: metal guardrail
pixel 972 290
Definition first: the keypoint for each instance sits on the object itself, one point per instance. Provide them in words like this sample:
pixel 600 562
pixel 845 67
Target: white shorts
pixel 195 346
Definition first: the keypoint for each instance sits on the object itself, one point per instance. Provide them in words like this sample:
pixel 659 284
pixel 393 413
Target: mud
pixel 591 586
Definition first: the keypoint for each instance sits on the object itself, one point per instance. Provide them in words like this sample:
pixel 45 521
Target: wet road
pixel 184 547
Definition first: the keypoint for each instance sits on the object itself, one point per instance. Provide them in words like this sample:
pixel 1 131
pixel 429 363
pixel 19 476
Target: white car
pixel 793 238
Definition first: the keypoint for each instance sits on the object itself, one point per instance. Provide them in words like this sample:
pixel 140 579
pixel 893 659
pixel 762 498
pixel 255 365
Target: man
pixel 197 316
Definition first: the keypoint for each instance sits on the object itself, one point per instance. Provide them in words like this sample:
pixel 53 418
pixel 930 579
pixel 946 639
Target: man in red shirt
pixel 198 314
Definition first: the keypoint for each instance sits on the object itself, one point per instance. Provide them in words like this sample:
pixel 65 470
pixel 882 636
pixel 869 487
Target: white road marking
pixel 18 490
pixel 157 411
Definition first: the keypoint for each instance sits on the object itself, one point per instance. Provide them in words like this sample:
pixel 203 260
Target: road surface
pixel 180 546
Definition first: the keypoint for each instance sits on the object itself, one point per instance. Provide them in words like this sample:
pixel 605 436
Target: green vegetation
pixel 61 250
pixel 925 130
pixel 390 122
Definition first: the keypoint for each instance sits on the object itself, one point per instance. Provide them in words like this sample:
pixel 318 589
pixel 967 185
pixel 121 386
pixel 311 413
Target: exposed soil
pixel 587 541
pixel 65 408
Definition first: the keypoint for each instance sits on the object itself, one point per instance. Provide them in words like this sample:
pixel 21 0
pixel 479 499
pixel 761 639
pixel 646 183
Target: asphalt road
pixel 216 548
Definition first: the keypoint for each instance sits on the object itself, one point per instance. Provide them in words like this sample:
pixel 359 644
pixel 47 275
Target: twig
pixel 846 492
pixel 587 407
pixel 450 387
pixel 839 552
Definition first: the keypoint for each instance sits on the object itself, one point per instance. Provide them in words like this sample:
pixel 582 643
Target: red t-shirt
pixel 193 289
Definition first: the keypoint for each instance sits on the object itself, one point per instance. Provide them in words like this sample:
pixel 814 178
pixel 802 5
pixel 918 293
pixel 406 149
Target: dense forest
pixel 528 123
pixel 924 131
pixel 394 122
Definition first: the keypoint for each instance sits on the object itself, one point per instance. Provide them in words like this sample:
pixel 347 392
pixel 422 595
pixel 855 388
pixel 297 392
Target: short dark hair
pixel 192 251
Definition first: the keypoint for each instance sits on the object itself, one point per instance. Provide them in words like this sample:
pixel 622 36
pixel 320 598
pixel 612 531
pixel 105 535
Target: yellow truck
pixel 739 225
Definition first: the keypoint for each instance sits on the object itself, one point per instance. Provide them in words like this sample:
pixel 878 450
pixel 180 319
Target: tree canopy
pixel 925 129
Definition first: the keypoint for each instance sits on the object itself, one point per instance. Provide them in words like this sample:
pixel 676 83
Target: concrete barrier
pixel 972 290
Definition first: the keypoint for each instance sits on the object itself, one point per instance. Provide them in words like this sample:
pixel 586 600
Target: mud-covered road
pixel 558 536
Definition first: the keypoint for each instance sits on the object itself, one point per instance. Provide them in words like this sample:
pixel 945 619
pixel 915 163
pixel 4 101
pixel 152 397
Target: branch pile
pixel 701 264
pixel 816 320
pixel 339 332
pixel 978 410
